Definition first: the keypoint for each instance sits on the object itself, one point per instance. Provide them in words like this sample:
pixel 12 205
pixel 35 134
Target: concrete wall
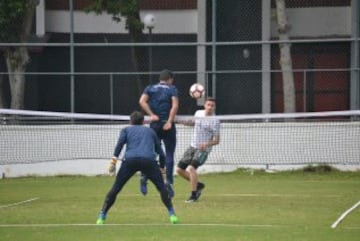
pixel 317 22
pixel 170 22
pixel 305 22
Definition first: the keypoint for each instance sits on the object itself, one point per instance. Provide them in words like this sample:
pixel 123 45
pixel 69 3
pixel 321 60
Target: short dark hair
pixel 136 118
pixel 210 99
pixel 166 74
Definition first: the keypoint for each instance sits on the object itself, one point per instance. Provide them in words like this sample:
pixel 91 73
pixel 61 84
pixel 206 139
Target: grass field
pixel 234 206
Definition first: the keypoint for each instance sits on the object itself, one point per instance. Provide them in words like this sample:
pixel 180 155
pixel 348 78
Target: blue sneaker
pixel 143 185
pixel 170 190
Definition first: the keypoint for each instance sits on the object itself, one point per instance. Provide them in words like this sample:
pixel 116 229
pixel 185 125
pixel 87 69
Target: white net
pixel 261 139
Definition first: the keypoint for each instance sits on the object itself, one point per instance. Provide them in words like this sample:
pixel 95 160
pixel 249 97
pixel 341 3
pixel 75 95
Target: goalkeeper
pixel 206 135
pixel 142 145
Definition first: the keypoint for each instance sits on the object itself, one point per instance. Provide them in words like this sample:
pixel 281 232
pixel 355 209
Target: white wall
pixel 317 22
pixel 172 22
pixel 305 22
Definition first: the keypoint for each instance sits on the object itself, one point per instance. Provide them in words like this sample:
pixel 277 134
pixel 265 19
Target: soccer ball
pixel 197 91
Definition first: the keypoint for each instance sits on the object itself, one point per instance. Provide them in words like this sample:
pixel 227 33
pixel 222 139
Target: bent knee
pixel 191 168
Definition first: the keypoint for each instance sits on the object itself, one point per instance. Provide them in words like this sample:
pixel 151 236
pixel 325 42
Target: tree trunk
pixel 16 60
pixel 137 56
pixel 137 53
pixel 2 92
pixel 285 59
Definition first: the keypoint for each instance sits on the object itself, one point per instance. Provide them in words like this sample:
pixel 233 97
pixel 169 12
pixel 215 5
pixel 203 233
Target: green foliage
pixel 129 9
pixel 234 206
pixel 12 14
pixel 318 168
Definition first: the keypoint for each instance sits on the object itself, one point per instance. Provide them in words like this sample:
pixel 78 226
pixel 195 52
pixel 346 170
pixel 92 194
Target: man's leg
pixel 193 179
pixel 185 162
pixel 157 127
pixel 153 173
pixel 196 186
pixel 123 175
pixel 170 145
pixel 183 173
pixel 169 138
pixel 193 176
pixel 143 183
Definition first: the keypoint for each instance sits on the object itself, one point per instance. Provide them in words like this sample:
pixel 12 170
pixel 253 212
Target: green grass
pixel 234 206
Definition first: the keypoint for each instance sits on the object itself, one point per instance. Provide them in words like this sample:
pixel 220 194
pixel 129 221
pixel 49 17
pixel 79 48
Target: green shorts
pixel 193 157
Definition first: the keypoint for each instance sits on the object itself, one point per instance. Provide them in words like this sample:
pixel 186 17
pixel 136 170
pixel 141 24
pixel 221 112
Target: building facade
pixel 86 62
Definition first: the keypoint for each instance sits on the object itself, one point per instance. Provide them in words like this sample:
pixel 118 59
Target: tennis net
pixel 255 139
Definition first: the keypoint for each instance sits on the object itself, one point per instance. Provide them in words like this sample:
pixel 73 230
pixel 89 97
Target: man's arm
pixel 173 112
pixel 214 141
pixel 143 102
pixel 119 145
pixel 174 108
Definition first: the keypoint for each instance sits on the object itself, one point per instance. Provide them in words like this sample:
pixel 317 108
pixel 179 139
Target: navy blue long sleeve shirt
pixel 141 143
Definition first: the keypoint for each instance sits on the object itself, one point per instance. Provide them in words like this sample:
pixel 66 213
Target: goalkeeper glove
pixel 112 167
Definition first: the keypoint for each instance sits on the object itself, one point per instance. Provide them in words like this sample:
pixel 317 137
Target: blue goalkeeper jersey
pixel 141 143
pixel 160 99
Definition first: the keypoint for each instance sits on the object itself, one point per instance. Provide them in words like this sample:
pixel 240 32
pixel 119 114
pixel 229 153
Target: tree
pixel 130 10
pixel 16 19
pixel 285 58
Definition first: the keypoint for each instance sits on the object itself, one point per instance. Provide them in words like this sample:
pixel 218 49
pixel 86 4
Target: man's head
pixel 136 118
pixel 210 105
pixel 166 75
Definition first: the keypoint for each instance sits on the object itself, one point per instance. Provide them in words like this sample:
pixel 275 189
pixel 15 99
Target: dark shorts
pixel 193 157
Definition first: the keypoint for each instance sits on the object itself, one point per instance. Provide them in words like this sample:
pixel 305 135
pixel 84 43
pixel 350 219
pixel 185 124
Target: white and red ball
pixel 197 91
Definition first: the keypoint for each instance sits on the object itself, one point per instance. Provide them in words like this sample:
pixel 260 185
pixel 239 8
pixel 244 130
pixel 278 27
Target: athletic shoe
pixel 191 199
pixel 101 218
pixel 100 221
pixel 194 197
pixel 170 190
pixel 143 185
pixel 174 219
pixel 199 188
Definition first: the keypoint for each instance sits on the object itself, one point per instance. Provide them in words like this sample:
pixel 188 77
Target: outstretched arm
pixel 119 145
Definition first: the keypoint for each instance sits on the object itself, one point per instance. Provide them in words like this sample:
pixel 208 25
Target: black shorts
pixel 193 157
